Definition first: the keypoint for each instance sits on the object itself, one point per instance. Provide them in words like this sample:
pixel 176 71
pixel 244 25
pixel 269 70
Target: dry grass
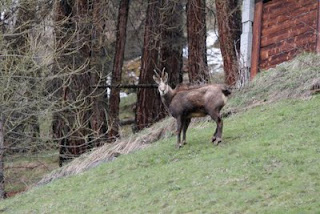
pixel 23 172
pixel 109 152
pixel 293 79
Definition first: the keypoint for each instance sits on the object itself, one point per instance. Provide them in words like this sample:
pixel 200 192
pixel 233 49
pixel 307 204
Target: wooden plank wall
pixel 288 27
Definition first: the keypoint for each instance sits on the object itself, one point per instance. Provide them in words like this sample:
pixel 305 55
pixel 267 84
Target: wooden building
pixel 275 31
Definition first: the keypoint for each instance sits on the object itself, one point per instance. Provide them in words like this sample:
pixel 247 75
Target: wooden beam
pixel 318 29
pixel 152 86
pixel 257 24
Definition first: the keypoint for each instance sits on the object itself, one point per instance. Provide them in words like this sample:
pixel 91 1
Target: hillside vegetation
pixel 268 162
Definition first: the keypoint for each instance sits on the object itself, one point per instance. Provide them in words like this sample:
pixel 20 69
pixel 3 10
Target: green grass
pixel 269 162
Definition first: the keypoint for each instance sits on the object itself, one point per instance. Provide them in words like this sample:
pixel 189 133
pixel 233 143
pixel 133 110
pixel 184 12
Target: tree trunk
pixel 197 51
pixel 98 119
pixel 81 122
pixel 2 189
pixel 62 124
pixel 96 55
pixel 172 40
pixel 25 20
pixel 229 28
pixel 149 107
pixel 20 46
pixel 114 100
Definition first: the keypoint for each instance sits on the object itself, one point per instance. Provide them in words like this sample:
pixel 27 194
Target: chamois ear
pixel 165 77
pixel 156 79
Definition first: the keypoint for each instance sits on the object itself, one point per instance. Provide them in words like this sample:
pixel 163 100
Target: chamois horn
pixel 162 72
pixel 156 73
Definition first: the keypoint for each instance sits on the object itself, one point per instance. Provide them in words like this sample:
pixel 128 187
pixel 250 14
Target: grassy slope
pixel 25 171
pixel 269 163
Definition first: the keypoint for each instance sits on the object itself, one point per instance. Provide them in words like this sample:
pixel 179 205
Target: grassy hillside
pixel 269 162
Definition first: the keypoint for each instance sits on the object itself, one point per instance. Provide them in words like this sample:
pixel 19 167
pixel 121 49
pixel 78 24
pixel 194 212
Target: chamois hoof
pixel 179 145
pixel 184 142
pixel 216 140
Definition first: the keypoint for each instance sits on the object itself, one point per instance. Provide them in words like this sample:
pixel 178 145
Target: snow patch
pixel 108 91
pixel 214 57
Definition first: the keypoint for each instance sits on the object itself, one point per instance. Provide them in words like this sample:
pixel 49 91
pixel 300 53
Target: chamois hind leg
pixel 217 137
pixel 184 130
pixel 179 128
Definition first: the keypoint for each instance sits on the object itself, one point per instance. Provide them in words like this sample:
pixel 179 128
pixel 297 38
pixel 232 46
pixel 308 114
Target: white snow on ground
pixel 214 57
pixel 122 94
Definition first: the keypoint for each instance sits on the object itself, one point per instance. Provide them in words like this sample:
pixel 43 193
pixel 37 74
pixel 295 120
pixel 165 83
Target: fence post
pixel 246 42
pixel 318 29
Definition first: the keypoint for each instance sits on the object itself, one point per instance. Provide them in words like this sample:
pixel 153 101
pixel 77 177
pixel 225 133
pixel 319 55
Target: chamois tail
pixel 226 91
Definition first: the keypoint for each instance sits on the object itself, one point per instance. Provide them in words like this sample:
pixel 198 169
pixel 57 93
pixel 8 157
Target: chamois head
pixel 162 81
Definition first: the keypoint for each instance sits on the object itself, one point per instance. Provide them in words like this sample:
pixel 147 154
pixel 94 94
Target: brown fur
pixel 188 101
pixel 315 88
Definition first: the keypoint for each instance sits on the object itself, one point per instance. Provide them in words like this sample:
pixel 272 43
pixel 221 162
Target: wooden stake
pixel 256 38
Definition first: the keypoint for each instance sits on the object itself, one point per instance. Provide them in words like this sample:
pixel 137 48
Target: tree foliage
pixel 53 59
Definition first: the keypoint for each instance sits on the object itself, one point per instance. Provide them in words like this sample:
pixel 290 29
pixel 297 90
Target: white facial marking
pixel 163 88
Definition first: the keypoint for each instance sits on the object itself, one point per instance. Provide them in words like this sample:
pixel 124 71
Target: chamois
pixel 185 102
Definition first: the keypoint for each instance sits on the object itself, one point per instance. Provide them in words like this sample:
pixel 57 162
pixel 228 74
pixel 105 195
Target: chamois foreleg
pixel 184 130
pixel 180 123
pixel 217 137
